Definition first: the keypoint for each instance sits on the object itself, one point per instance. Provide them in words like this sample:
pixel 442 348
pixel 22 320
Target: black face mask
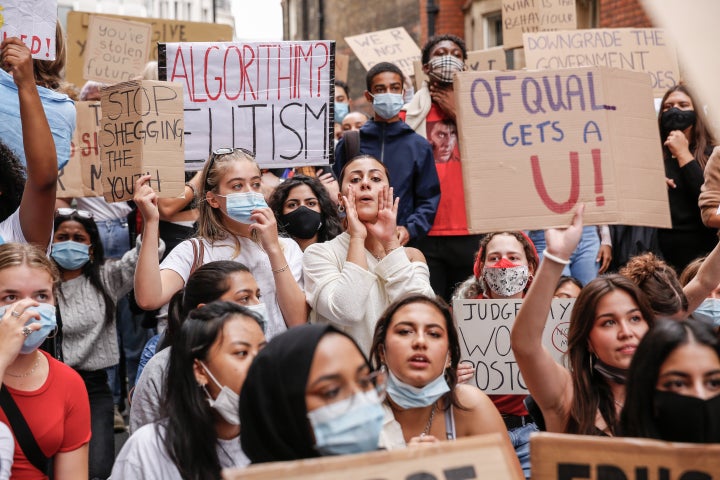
pixel 676 119
pixel 681 418
pixel 610 373
pixel 301 223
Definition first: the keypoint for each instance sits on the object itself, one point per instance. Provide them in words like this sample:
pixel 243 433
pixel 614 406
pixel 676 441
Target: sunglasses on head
pixel 66 212
pixel 219 152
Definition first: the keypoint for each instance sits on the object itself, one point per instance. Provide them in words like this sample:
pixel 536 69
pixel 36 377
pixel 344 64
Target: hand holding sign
pixel 563 242
pixel 17 61
pixel 146 199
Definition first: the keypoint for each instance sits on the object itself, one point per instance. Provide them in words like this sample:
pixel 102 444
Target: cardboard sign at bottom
pixel 484 456
pixel 566 457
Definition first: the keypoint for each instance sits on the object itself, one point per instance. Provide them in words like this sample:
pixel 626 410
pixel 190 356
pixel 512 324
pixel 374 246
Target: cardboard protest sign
pixel 341 67
pixel 393 45
pixel 142 133
pixel 525 16
pixel 272 98
pixel 574 457
pixel 484 329
pixel 482 456
pixel 638 49
pixel 477 60
pixel 34 22
pixel 81 176
pixel 117 50
pixel 689 27
pixel 162 31
pixel 534 144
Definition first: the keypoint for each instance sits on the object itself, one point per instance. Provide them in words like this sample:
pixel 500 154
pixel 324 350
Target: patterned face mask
pixel 506 278
pixel 443 68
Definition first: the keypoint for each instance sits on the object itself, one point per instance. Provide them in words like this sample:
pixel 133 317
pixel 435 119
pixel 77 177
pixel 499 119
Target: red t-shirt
pixel 58 414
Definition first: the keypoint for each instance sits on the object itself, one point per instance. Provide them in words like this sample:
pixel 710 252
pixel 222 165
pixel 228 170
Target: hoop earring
pixel 591 363
pixel 341 208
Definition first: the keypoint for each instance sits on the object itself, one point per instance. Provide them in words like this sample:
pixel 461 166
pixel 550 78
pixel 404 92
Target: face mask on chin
pixel 227 402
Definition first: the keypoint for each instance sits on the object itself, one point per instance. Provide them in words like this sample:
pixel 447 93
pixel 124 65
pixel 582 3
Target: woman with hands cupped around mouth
pixel 350 280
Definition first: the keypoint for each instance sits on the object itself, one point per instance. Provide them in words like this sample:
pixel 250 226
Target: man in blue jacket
pixel 407 155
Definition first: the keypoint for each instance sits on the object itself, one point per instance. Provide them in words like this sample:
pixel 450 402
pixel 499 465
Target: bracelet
pixel 281 269
pixel 190 185
pixel 555 259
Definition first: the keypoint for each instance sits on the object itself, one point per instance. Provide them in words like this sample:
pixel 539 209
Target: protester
pixel 222 280
pixel 503 269
pixel 687 144
pixel 432 114
pixel 406 155
pixel 608 320
pixel 567 287
pixel 234 223
pixel 673 389
pixel 198 435
pixel 89 290
pixel 46 77
pixel 310 393
pixel 353 121
pixel 50 397
pixel 351 279
pixel 304 211
pixel 342 101
pixel 417 342
pixel 26 204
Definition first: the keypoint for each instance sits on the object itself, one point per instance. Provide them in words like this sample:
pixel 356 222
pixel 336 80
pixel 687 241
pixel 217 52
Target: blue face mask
pixel 710 307
pixel 70 255
pixel 387 105
pixel 349 426
pixel 47 325
pixel 241 205
pixel 406 396
pixel 341 109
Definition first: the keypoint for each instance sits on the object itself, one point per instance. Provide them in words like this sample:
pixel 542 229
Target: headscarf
pixel 273 414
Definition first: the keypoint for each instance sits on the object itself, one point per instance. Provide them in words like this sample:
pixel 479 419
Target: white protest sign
pixel 34 22
pixel 484 328
pixel 525 16
pixel 638 49
pixel 536 143
pixel 393 45
pixel 272 98
pixel 117 50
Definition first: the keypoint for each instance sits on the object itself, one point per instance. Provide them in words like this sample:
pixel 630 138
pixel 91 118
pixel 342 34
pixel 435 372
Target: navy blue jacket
pixel 409 160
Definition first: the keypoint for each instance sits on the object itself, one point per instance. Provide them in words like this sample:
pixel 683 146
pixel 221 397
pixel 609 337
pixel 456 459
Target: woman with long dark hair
pixel 200 426
pixel 305 211
pixel 89 289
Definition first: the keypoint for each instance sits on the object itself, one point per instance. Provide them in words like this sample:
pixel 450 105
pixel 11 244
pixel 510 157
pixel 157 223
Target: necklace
pixel 29 372
pixel 430 420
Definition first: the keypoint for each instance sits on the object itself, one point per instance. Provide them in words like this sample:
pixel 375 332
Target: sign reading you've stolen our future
pixel 272 98
pixel 535 144
pixel 484 328
pixel 141 133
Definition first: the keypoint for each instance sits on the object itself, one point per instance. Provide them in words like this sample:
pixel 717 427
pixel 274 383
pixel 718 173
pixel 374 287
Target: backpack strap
pixel 198 254
pixel 352 144
pixel 22 432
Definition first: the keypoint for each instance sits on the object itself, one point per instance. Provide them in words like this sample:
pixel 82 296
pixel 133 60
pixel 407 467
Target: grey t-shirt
pixel 145 406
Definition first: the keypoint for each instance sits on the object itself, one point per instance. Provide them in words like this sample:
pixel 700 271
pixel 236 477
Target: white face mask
pixel 227 403
pixel 261 310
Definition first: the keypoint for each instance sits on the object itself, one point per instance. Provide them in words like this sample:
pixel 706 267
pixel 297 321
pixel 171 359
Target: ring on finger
pixel 26 331
pixel 15 314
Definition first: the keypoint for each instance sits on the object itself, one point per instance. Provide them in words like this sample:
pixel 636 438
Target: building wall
pixel 622 13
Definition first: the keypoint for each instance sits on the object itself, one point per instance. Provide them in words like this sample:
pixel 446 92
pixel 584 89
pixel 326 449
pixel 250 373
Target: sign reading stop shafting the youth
pixel 272 98
pixel 484 328
pixel 535 144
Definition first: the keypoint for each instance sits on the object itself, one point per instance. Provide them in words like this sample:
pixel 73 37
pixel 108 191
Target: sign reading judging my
pixel 638 49
pixel 162 31
pixel 525 16
pixel 576 457
pixel 272 98
pixel 481 456
pixel 33 22
pixel 393 45
pixel 81 176
pixel 117 50
pixel 534 144
pixel 484 329
pixel 142 133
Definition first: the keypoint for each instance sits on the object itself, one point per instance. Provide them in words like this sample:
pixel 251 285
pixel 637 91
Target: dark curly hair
pixel 658 281
pixel 331 226
pixel 434 40
pixel 12 181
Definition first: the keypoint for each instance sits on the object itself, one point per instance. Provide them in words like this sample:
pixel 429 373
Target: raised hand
pixel 17 61
pixel 265 227
pixel 355 227
pixel 384 229
pixel 563 242
pixel 146 199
